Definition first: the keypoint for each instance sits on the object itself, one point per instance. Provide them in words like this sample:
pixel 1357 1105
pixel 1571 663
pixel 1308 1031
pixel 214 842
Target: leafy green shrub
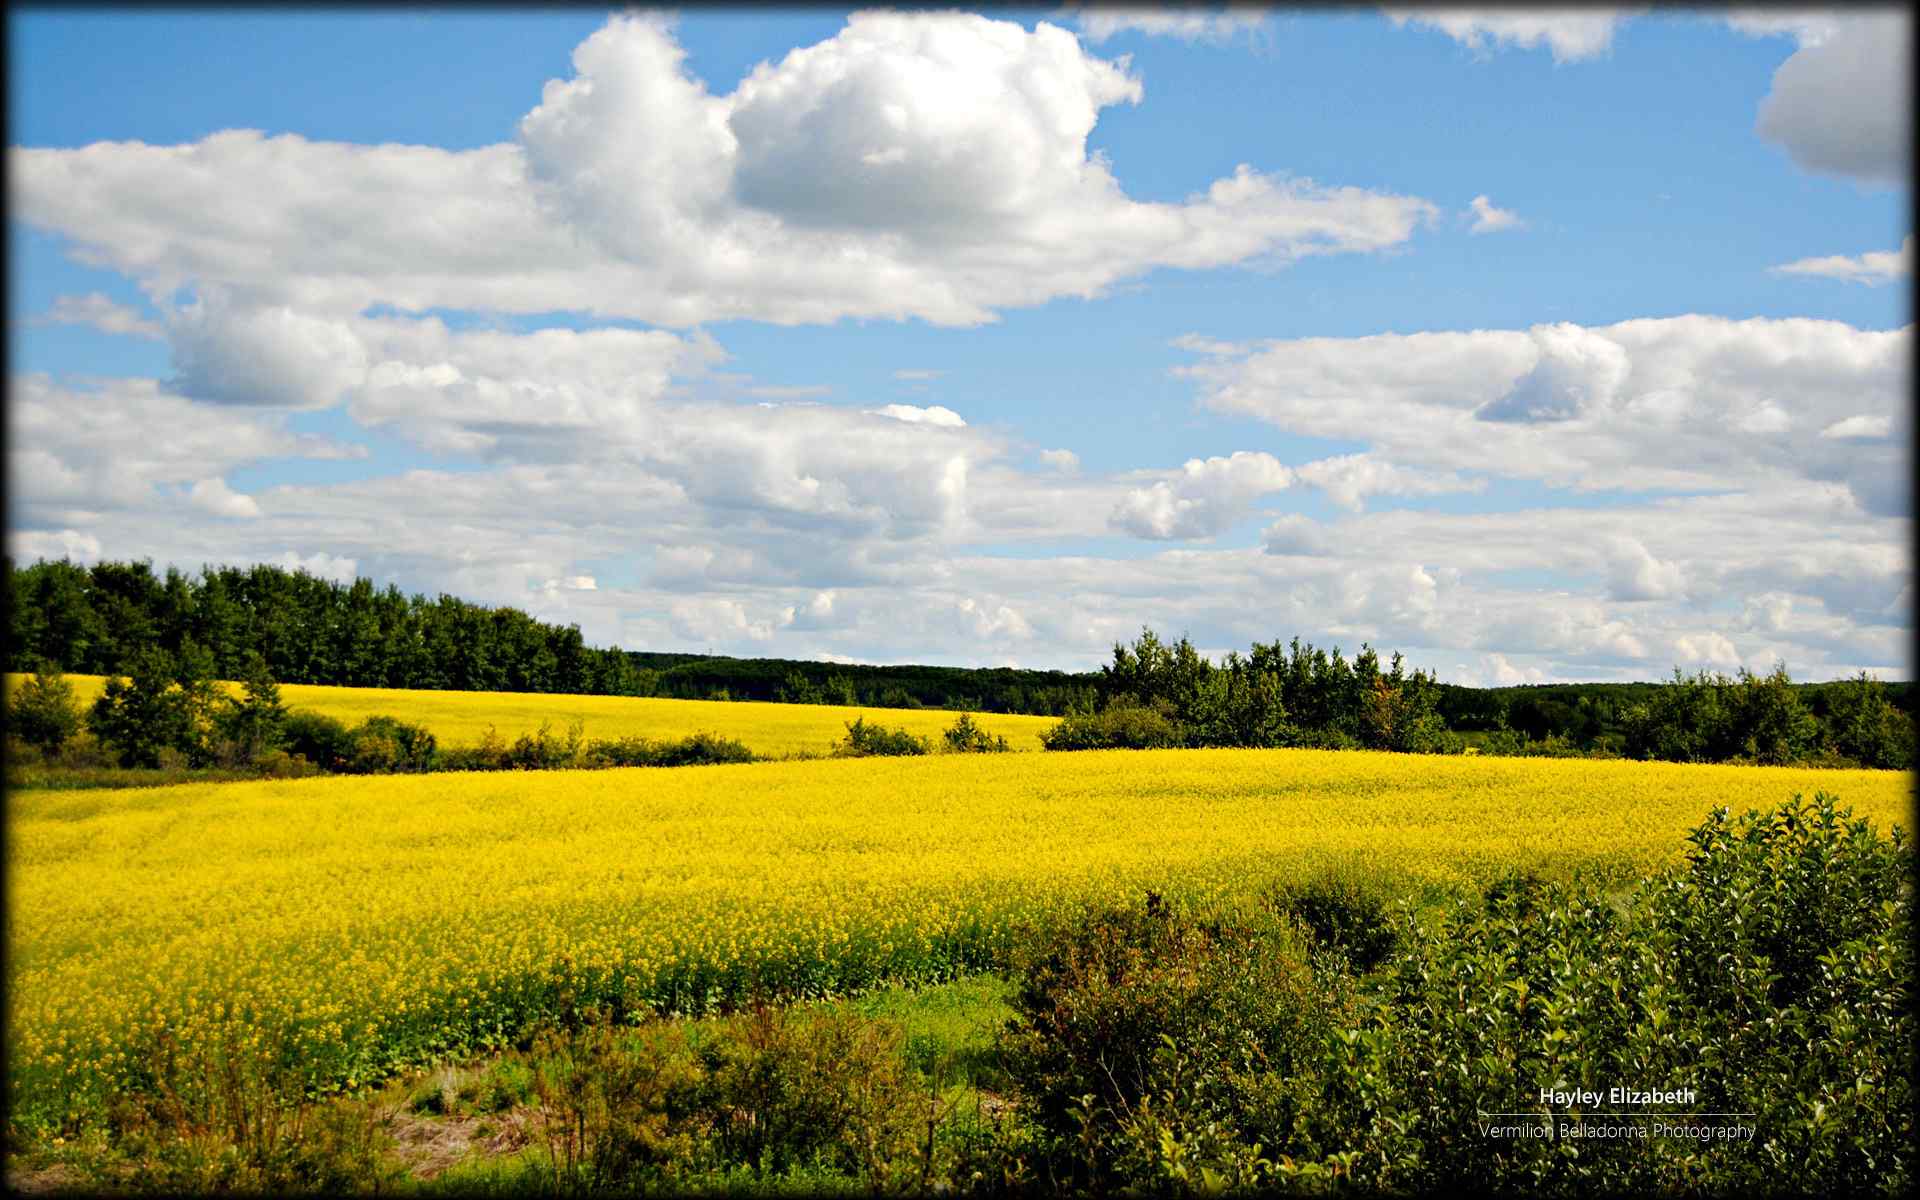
pixel 694 749
pixel 829 1090
pixel 380 745
pixel 1117 727
pixel 1326 738
pixel 1765 974
pixel 163 706
pixel 44 713
pixel 545 750
pixel 700 749
pixel 1786 886
pixel 1343 914
pixel 865 739
pixel 1768 974
pixel 1862 726
pixel 965 736
pixel 776 1092
pixel 1134 1008
pixel 508 1085
pixel 254 725
pixel 278 764
pixel 320 739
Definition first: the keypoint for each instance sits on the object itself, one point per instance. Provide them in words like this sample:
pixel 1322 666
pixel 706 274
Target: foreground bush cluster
pixel 1324 1036
pixel 1770 974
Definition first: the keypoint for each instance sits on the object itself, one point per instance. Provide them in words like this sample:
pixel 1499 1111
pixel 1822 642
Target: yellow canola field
pixel 462 718
pixel 351 925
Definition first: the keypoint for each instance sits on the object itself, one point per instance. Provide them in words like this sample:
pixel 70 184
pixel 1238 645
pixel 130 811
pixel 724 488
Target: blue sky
pixel 959 339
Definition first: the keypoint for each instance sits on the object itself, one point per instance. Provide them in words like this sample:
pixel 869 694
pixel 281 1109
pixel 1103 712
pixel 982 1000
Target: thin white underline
pixel 1634 1114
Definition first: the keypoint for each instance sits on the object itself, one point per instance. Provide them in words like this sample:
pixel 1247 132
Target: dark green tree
pixel 1770 725
pixel 254 725
pixel 1864 727
pixel 144 713
pixel 43 712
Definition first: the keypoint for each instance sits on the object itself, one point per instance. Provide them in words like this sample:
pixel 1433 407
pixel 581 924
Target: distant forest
pixel 89 620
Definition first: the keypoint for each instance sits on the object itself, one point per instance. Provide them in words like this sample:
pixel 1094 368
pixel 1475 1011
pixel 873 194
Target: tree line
pixel 96 620
pixel 1156 694
pixel 303 629
pixel 169 714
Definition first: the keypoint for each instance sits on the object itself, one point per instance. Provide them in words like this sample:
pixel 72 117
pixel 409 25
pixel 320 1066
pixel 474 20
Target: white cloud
pixel 1188 23
pixel 1501 673
pixel 914 415
pixel 1874 267
pixel 1199 344
pixel 1571 34
pixel 930 165
pixel 718 621
pixel 833 183
pixel 1566 591
pixel 27 545
pixel 1690 402
pixel 265 357
pixel 1350 478
pixel 103 313
pixel 916 375
pixel 78 451
pixel 1297 534
pixel 319 564
pixel 1633 573
pixel 1809 27
pixel 1705 649
pixel 215 497
pixel 1859 428
pixel 1489 219
pixel 991 620
pixel 1841 105
pixel 1205 497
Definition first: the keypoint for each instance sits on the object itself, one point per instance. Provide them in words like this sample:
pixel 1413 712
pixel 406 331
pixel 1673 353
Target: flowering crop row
pixel 462 718
pixel 334 929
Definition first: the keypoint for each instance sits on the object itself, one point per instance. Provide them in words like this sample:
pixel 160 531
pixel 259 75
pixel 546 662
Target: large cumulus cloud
pixel 1840 105
pixel 926 165
pixel 1689 403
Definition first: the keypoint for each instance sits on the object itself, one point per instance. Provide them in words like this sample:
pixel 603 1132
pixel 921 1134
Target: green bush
pixel 1342 914
pixel 776 1093
pixel 1862 726
pixel 1769 973
pixel 1120 727
pixel 44 713
pixel 1148 1010
pixel 701 749
pixel 965 736
pixel 253 726
pixel 545 750
pixel 320 739
pixel 382 745
pixel 865 739
pixel 1765 973
pixel 151 713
